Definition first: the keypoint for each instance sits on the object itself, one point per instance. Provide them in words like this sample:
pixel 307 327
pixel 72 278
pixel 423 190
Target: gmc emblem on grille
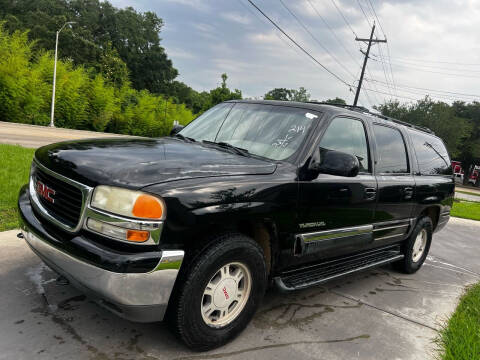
pixel 45 192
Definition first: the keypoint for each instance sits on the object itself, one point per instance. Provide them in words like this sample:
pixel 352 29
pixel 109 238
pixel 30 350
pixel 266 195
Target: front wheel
pixel 416 247
pixel 219 292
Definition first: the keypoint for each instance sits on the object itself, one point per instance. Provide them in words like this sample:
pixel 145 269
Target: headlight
pixel 128 203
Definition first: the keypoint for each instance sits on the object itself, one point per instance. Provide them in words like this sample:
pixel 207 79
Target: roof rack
pixel 364 110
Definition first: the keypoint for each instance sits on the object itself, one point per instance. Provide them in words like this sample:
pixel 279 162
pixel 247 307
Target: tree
pixel 103 34
pixel 300 95
pixel 284 94
pixel 84 98
pixel 458 125
pixel 469 153
pixel 281 94
pixel 337 100
pixel 223 93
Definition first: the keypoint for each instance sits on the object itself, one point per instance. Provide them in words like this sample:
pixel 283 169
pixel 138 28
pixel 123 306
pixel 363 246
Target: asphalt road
pixel 33 136
pixel 378 314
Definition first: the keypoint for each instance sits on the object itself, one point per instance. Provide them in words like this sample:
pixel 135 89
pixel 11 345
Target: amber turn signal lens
pixel 147 206
pixel 137 235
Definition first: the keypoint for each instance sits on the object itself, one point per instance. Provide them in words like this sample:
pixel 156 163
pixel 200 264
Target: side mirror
pixel 334 163
pixel 176 129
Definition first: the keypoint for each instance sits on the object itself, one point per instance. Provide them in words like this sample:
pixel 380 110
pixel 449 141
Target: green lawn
pixel 460 338
pixel 466 210
pixel 14 169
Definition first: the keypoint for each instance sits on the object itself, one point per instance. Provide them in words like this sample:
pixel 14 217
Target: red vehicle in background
pixel 459 173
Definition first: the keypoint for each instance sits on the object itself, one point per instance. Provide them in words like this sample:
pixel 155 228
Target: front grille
pixel 67 200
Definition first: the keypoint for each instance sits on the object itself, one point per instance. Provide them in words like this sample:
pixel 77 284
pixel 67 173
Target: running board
pixel 329 270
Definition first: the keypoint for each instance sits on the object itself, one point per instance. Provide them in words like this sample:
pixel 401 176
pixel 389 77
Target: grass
pixel 460 338
pixel 466 210
pixel 467 192
pixel 14 169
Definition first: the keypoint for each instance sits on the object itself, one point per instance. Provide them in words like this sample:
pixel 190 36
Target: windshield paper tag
pixel 311 116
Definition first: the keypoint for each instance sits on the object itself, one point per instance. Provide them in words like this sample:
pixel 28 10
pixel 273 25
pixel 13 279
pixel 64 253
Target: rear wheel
pixel 219 292
pixel 416 247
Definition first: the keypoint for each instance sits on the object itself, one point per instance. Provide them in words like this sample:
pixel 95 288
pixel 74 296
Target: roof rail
pixel 364 110
pixel 350 107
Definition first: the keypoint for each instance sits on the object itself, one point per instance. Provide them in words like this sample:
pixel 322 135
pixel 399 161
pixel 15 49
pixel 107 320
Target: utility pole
pixel 370 41
pixel 52 112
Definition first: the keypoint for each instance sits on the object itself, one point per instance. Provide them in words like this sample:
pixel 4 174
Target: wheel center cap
pixel 224 293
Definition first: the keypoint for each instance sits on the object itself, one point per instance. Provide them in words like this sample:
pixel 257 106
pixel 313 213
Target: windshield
pixel 274 132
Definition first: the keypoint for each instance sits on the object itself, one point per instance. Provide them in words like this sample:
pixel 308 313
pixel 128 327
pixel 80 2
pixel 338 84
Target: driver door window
pixel 348 136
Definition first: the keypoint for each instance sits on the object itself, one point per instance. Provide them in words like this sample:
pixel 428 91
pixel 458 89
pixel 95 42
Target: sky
pixel 432 44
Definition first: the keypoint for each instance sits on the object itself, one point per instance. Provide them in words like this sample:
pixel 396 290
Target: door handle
pixel 408 192
pixel 370 193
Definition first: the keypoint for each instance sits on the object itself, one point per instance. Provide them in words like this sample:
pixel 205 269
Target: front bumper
pixel 137 296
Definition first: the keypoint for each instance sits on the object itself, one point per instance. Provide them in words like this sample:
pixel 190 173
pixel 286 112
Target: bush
pixel 84 100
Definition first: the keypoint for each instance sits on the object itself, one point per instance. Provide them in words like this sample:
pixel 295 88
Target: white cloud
pixel 236 17
pixel 204 40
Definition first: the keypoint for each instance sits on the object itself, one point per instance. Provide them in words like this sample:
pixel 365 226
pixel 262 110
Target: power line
pixel 369 41
pixel 368 22
pixel 333 32
pixel 302 24
pixel 385 93
pixel 435 61
pixel 431 71
pixel 376 17
pixel 405 63
pixel 298 45
pixel 426 89
pixel 364 14
pixel 344 18
pixel 264 21
pixel 439 96
pixel 385 36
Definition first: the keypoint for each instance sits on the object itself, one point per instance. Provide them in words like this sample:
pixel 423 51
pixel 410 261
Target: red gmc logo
pixel 225 293
pixel 45 192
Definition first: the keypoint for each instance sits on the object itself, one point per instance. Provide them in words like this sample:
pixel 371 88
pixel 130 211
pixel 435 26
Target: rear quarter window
pixel 432 156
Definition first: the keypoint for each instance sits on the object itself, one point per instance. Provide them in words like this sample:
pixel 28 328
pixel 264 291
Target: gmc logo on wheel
pixel 45 192
pixel 225 293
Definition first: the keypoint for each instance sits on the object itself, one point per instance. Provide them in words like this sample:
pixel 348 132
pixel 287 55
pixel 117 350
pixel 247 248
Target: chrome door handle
pixel 408 192
pixel 370 193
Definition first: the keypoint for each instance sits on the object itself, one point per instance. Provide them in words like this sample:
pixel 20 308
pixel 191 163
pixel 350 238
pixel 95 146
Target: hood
pixel 138 162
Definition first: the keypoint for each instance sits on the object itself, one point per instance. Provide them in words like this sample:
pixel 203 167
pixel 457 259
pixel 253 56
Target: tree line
pixel 458 124
pixel 113 75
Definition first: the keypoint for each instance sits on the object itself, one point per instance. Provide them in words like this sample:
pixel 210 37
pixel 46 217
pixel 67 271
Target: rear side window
pixel 348 136
pixel 432 156
pixel 391 151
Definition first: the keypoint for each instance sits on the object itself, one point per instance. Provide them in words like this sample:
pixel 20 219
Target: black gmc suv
pixel 193 227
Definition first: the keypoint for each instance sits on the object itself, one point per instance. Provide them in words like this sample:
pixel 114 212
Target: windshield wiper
pixel 238 150
pixel 180 136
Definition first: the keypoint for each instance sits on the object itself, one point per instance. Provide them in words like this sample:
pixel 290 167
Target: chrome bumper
pixel 139 297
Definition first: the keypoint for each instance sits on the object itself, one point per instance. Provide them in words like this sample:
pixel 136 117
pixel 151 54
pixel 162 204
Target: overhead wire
pixel 302 24
pixel 385 36
pixel 333 33
pixel 462 75
pixel 344 18
pixel 434 93
pixel 263 20
pixel 298 45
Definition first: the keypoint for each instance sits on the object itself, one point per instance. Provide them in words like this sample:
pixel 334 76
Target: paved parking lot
pixel 378 314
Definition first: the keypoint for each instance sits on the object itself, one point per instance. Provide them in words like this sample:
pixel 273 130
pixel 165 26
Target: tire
pixel 414 258
pixel 201 332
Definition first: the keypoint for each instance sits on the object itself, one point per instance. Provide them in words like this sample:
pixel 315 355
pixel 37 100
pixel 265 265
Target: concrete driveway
pixel 378 314
pixel 34 136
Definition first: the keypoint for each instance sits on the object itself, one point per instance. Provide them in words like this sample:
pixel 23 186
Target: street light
pixel 55 73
